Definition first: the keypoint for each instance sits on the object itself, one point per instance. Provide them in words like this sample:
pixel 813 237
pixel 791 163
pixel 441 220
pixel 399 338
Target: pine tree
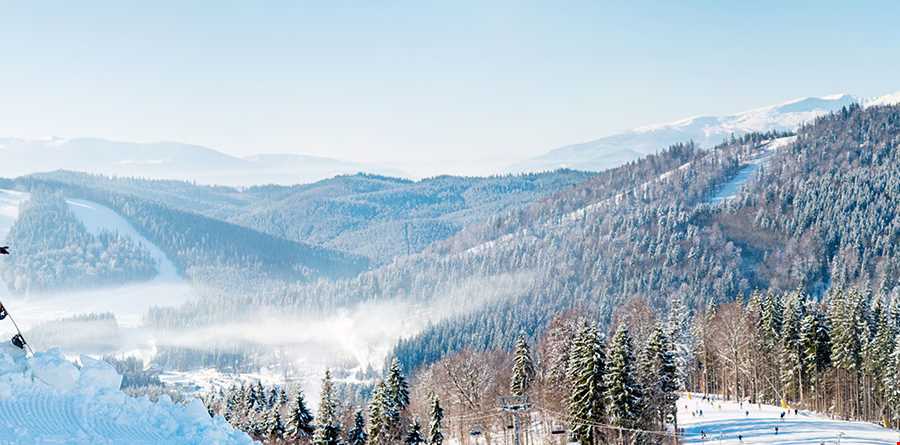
pixel 300 419
pixel 435 432
pixel 378 434
pixel 791 354
pixel 892 383
pixel 396 398
pixel 327 429
pixel 587 365
pixel 623 394
pixel 523 368
pixel 659 378
pixel 274 427
pixel 357 435
pixel 679 333
pixel 414 436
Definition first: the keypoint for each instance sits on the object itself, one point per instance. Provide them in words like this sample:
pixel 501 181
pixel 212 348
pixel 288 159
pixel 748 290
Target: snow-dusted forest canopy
pixel 55 251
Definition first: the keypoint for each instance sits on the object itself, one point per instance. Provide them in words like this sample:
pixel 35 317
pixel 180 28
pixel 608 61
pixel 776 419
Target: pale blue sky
pixel 416 83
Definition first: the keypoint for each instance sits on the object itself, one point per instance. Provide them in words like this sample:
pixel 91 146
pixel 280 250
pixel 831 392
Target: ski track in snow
pixel 97 218
pixel 47 400
pixel 723 421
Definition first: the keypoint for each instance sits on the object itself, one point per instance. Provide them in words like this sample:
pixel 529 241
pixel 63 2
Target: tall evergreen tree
pixel 274 427
pixel 378 427
pixel 357 435
pixel 659 378
pixel 397 399
pixel 299 422
pixel 623 393
pixel 328 429
pixel 436 427
pixel 523 368
pixel 587 366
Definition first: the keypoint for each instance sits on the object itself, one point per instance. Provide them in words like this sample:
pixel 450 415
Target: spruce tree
pixel 414 436
pixel 523 368
pixel 397 399
pixel 587 365
pixel 327 428
pixel 659 378
pixel 274 428
pixel 435 432
pixel 378 434
pixel 790 351
pixel 299 423
pixel 679 333
pixel 623 394
pixel 357 435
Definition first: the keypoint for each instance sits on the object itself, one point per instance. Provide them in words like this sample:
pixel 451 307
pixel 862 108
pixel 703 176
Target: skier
pixel 740 438
pixel 776 430
pixel 782 416
pixel 4 250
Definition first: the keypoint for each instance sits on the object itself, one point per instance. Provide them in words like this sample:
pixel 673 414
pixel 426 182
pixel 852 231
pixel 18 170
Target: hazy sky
pixel 416 83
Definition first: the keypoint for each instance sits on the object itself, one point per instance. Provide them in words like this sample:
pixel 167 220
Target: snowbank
pixel 48 400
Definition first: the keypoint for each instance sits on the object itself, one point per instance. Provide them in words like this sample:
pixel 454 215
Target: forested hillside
pixel 53 250
pixel 655 235
pixel 207 249
pixel 374 216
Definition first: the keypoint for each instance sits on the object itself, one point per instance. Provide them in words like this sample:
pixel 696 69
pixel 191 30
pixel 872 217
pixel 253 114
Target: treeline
pixel 271 416
pixel 53 250
pixel 839 355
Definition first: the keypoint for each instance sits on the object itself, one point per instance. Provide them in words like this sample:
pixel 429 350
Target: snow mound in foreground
pixel 48 400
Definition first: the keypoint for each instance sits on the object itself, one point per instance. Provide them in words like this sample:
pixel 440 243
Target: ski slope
pixel 97 218
pixel 724 421
pixel 48 400
pixel 732 188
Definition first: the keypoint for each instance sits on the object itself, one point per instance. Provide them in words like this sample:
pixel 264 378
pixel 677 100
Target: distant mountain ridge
pixel 171 160
pixel 707 131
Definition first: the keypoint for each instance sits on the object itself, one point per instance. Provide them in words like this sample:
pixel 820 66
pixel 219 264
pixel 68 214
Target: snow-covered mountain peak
pixel 887 99
pixel 705 130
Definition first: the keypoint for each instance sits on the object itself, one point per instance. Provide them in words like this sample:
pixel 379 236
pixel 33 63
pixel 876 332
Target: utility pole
pixel 514 405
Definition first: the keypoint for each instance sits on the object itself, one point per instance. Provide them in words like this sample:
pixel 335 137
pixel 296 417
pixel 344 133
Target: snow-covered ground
pixel 48 400
pixel 723 422
pixel 732 188
pixel 97 218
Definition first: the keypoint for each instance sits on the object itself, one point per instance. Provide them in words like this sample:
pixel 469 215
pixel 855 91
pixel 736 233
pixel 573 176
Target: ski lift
pixel 557 429
pixel 509 426
pixel 3 312
pixel 475 431
pixel 18 341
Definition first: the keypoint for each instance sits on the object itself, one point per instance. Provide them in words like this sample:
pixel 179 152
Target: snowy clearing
pixel 723 422
pixel 732 188
pixel 46 399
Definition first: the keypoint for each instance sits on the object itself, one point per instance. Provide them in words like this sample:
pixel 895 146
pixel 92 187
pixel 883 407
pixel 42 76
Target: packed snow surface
pixel 723 422
pixel 48 400
pixel 733 187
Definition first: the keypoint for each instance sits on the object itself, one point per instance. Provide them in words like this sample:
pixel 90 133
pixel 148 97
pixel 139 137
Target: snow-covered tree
pixel 299 422
pixel 328 429
pixel 587 366
pixel 659 377
pixel 414 434
pixel 357 434
pixel 523 368
pixel 623 393
pixel 436 425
